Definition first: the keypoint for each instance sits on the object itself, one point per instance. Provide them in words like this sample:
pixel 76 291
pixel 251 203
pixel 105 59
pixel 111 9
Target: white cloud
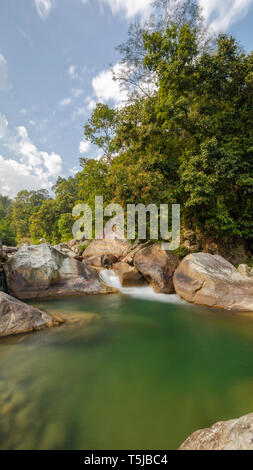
pixel 84 146
pixel 221 14
pixel 80 111
pixel 129 7
pixel 4 85
pixel 74 170
pixel 32 169
pixel 65 102
pixel 90 102
pixel 43 8
pixel 72 72
pixel 77 92
pixel 105 88
pixel 3 126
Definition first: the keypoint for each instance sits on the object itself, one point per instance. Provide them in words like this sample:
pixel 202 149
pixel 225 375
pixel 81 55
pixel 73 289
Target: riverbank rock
pixel 78 246
pixel 236 434
pixel 64 248
pixel 210 280
pixel 106 252
pixel 16 317
pixel 41 271
pixel 128 275
pixel 136 247
pixel 158 267
pixel 9 251
pixel 245 270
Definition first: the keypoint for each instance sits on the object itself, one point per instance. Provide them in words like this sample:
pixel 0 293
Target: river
pixel 136 371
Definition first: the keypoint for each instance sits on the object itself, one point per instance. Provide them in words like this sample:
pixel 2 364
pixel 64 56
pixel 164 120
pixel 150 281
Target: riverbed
pixel 129 373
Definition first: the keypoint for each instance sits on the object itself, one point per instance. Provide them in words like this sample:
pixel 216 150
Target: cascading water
pixel 111 279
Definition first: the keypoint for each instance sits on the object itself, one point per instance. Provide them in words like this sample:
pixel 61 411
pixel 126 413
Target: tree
pixel 25 204
pixel 100 129
pixel 7 230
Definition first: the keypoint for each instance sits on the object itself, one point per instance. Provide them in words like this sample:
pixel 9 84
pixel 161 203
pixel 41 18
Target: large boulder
pixel 236 434
pixel 106 252
pixel 16 317
pixel 158 267
pixel 210 280
pixel 128 275
pixel 41 271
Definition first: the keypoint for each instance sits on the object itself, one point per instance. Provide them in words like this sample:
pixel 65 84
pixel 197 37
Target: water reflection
pixel 126 373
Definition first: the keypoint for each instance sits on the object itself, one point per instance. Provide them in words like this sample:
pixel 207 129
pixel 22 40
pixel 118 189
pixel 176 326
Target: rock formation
pixel 210 280
pixel 41 271
pixel 236 434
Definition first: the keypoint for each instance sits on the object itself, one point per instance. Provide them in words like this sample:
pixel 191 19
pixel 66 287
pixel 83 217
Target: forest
pixel 184 135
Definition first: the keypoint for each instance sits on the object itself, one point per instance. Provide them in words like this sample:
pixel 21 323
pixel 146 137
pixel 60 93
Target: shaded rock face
pixel 158 267
pixel 105 253
pixel 43 272
pixel 16 317
pixel 236 434
pixel 103 261
pixel 3 283
pixel 233 253
pixel 210 280
pixel 128 275
pixel 9 251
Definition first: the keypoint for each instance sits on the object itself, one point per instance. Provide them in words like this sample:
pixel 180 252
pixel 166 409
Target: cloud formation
pixel 4 84
pixel 84 146
pixel 221 14
pixel 3 126
pixel 106 89
pixel 129 7
pixel 44 8
pixel 65 102
pixel 32 168
pixel 72 72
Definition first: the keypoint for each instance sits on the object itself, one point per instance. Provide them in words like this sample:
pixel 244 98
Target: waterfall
pixel 3 281
pixel 111 279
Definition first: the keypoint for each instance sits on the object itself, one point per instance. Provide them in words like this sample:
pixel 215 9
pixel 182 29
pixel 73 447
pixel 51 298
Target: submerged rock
pixel 41 271
pixel 236 434
pixel 158 267
pixel 210 280
pixel 17 317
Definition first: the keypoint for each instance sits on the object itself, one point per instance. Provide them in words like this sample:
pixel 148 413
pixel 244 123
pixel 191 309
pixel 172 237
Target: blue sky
pixel 55 58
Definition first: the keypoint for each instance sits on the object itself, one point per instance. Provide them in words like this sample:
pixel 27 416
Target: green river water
pixel 141 375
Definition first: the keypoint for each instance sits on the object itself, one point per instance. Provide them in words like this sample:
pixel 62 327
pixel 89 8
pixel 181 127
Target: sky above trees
pixel 55 58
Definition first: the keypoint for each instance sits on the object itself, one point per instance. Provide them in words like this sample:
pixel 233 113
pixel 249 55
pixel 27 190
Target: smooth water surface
pixel 138 374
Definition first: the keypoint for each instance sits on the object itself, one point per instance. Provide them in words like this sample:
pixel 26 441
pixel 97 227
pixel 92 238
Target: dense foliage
pixel 185 135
